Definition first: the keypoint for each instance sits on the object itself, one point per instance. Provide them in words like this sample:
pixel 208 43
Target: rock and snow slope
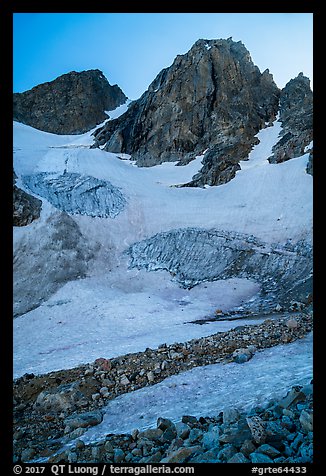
pixel 115 309
pixel 208 390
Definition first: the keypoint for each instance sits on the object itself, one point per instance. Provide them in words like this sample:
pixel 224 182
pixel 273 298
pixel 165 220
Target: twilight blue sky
pixel 132 48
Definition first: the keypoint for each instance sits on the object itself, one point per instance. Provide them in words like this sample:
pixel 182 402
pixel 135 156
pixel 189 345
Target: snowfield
pixel 112 309
pixel 270 201
pixel 92 318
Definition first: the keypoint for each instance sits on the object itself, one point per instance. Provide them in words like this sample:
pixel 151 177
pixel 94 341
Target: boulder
pixel 211 438
pixel 83 420
pixel 268 450
pixel 306 420
pixel 227 452
pixel 183 430
pixel 238 458
pixel 294 396
pixel 236 434
pixel 230 415
pixel 247 447
pixel 66 397
pixel 151 434
pixel 260 458
pixel 257 428
pixel 181 454
pixel 164 423
pixel 241 356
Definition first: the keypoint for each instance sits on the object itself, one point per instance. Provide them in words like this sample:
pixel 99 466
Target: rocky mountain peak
pixel 296 92
pixel 71 104
pixel 296 115
pixel 211 97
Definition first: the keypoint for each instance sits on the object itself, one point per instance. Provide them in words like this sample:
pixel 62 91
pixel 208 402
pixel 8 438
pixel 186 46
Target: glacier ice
pixel 77 194
pixel 193 255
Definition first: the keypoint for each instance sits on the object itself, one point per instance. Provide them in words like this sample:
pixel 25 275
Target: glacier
pixel 195 255
pixel 102 306
pixel 77 194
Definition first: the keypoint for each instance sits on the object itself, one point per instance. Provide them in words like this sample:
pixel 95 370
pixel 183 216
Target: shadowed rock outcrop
pixel 71 104
pixel 26 208
pixel 296 115
pixel 310 164
pixel 212 97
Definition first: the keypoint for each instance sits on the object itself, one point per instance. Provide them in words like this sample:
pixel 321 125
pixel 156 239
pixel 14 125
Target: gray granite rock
pixel 296 115
pixel 213 97
pixel 260 458
pixel 70 104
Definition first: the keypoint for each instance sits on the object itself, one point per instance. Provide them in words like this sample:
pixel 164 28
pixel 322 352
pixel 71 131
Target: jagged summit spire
pixel 213 96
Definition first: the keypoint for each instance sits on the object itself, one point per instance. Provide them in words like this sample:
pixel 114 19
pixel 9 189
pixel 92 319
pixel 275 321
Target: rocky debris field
pixel 282 432
pixel 53 409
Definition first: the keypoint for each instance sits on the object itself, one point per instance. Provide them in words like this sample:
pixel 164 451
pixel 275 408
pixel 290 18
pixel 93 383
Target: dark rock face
pixel 213 97
pixel 310 164
pixel 26 208
pixel 296 115
pixel 71 104
pixel 221 162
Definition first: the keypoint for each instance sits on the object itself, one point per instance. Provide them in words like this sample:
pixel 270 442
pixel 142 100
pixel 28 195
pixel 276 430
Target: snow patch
pixel 118 111
pixel 309 147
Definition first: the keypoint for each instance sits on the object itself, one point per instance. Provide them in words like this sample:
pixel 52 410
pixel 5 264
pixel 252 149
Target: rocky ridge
pixel 70 104
pixel 296 115
pixel 53 409
pixel 212 99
